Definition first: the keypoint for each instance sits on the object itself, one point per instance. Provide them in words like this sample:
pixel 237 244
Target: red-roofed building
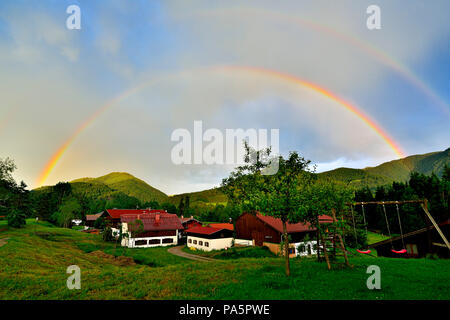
pixel 228 226
pixel 113 215
pixel 150 229
pixel 209 238
pixel 260 230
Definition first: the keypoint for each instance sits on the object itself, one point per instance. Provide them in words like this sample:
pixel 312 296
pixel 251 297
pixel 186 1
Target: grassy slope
pixel 396 170
pixel 34 268
pixel 210 196
pixel 114 182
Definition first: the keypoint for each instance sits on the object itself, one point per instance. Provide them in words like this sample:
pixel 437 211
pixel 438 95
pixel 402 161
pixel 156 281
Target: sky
pixel 107 97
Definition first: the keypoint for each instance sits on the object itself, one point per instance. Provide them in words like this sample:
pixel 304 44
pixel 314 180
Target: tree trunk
pixel 286 249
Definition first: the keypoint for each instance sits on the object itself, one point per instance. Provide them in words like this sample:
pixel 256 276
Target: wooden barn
pixel 259 230
pixel 157 229
pixel 209 238
pixel 417 243
pixel 91 218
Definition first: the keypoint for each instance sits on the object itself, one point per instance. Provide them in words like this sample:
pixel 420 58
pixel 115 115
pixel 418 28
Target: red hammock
pixel 400 251
pixel 363 251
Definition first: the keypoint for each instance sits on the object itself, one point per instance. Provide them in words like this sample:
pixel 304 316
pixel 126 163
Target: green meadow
pixel 34 260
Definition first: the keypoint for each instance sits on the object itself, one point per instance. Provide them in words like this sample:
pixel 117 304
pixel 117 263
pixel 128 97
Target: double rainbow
pixel 56 157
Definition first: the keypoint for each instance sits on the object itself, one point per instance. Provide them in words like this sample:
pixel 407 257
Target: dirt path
pixel 3 241
pixel 178 252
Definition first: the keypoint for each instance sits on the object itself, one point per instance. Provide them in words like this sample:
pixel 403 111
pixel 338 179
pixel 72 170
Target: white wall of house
pixel 147 242
pixel 305 248
pixel 244 242
pixel 208 244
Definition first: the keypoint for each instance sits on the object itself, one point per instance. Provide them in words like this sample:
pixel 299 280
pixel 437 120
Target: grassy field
pixel 34 260
pixel 373 237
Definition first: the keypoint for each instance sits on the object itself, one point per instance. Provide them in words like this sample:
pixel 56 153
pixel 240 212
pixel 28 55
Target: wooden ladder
pixel 337 243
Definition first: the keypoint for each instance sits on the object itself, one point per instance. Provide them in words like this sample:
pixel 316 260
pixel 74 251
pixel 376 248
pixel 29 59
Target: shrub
pixel 100 223
pixel 108 235
pixel 16 219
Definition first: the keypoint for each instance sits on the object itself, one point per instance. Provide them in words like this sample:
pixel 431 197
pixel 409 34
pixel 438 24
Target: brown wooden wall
pixel 249 227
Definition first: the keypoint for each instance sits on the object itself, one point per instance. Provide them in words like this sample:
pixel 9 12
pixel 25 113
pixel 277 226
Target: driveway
pixel 178 252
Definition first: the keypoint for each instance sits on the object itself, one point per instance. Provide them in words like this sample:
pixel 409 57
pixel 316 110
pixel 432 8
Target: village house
pixel 150 229
pixel 189 222
pixel 113 215
pixel 228 226
pixel 260 230
pixel 91 218
pixel 209 238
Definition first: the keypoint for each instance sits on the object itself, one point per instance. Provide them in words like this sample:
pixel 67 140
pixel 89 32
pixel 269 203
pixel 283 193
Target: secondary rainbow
pixel 364 46
pixel 52 162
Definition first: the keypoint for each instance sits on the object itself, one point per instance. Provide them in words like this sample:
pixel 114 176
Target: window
pixel 140 242
pixel 154 241
pixel 291 250
pixel 206 244
pixel 200 243
pixel 189 240
pixel 167 240
pixel 194 242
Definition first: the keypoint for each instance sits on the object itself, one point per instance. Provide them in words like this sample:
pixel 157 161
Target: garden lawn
pixel 33 266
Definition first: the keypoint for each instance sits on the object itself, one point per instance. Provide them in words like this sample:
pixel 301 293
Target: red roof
pixel 93 217
pixel 116 213
pixel 203 230
pixel 228 226
pixel 277 224
pixel 154 221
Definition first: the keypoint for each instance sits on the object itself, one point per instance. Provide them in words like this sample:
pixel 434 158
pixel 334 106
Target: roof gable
pixel 277 224
pixel 153 221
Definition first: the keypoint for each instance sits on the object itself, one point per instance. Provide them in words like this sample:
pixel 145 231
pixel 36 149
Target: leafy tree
pixel 68 211
pixel 100 223
pixel 16 219
pixel 108 234
pixel 278 195
pixel 181 207
pixel 169 207
pixel 323 197
pixel 135 228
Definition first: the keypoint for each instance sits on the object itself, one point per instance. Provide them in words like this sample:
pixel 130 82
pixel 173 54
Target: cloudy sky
pixel 108 97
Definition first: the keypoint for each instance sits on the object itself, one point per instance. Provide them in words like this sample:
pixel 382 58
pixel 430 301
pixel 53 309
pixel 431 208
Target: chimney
pixel 182 217
pixel 192 217
pixel 157 218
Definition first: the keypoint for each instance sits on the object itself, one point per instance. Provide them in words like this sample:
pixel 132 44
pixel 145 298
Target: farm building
pixel 113 215
pixel 417 243
pixel 150 229
pixel 228 226
pixel 189 222
pixel 259 230
pixel 209 238
pixel 90 219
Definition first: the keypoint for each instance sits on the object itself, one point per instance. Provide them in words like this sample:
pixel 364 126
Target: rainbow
pixel 364 46
pixel 234 69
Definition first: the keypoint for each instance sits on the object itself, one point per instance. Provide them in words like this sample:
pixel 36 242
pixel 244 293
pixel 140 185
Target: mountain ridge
pixel 383 174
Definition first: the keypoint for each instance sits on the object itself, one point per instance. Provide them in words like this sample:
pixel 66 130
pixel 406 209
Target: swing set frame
pixel 423 203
